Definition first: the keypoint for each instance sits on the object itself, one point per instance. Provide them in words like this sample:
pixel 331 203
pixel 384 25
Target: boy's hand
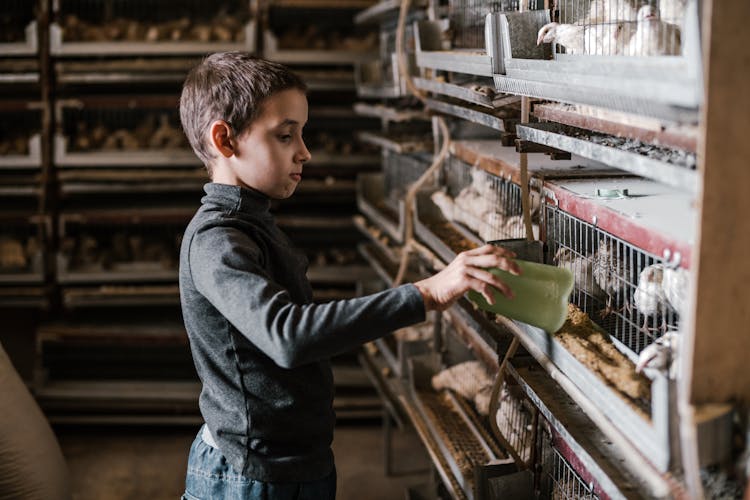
pixel 466 272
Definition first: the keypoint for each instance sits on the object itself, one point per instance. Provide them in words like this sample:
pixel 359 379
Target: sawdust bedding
pixel 592 348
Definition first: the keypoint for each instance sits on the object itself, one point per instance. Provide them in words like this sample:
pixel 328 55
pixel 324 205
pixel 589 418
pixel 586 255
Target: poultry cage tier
pixel 488 205
pixel 109 132
pixel 20 136
pixel 21 250
pixel 151 21
pixel 635 296
pixel 399 173
pixel 617 27
pixel 556 478
pixel 318 29
pixel 103 252
pixel 15 17
pixel 467 18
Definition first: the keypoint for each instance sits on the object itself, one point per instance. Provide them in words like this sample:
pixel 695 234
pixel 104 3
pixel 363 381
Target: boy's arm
pixel 226 269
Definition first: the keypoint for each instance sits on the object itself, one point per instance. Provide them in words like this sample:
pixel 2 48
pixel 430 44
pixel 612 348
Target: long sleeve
pixel 228 270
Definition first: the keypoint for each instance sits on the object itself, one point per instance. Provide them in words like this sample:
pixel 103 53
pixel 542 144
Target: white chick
pixel 649 297
pixel 661 354
pixel 611 272
pixel 445 203
pixel 653 37
pixel 676 284
pixel 582 269
pixel 598 39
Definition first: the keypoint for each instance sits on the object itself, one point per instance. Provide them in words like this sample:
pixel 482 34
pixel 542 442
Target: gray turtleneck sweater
pixel 260 345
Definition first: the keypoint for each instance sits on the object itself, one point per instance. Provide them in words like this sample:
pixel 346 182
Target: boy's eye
pixel 285 137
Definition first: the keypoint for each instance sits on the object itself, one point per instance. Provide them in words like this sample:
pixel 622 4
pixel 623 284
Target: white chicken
pixel 649 296
pixel 582 269
pixel 676 284
pixel 606 30
pixel 445 203
pixel 661 354
pixel 653 37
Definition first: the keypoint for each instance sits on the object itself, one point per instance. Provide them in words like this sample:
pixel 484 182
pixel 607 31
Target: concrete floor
pixel 112 463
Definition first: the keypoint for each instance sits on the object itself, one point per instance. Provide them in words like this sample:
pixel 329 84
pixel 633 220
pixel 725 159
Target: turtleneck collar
pixel 237 198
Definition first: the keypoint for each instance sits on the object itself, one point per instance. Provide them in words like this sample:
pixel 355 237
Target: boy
pixel 259 344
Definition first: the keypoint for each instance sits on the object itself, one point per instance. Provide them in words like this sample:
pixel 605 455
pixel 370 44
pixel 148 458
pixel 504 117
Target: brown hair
pixel 229 86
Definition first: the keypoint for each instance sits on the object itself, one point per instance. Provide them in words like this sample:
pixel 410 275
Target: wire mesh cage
pixel 103 252
pixel 21 251
pixel 312 29
pixel 14 20
pixel 153 21
pixel 558 480
pixel 20 133
pixel 621 287
pixel 399 173
pixel 516 420
pixel 620 27
pixel 117 129
pixel 488 205
pixel 468 17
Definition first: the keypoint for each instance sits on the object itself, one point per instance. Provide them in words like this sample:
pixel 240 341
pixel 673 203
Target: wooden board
pixel 716 370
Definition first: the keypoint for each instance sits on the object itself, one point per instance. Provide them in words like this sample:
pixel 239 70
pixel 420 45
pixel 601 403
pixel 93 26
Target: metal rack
pixel 127 28
pixel 111 132
pixel 600 73
pixel 337 43
pixel 143 249
pixel 19 29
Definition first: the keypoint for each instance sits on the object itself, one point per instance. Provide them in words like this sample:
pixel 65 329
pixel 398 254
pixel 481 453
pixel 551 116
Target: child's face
pixel 270 154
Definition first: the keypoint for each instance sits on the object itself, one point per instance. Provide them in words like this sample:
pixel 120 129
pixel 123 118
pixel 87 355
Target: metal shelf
pixel 137 158
pixel 272 51
pixel 397 144
pixel 563 137
pixel 32 160
pixel 371 202
pixel 502 161
pixel 461 92
pixel 480 117
pixel 643 129
pixel 28 47
pixel 59 47
pixel 389 113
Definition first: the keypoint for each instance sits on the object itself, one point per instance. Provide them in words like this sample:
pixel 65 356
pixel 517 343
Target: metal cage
pixel 151 20
pixel 100 252
pixel 612 280
pixel 487 204
pixel 21 252
pixel 14 19
pixel 467 19
pixel 621 27
pixel 110 129
pixel 399 173
pixel 558 480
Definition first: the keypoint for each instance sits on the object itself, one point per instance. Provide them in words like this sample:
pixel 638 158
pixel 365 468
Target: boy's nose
pixel 303 156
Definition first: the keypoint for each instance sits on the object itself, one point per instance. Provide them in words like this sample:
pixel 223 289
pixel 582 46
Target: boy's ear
pixel 220 135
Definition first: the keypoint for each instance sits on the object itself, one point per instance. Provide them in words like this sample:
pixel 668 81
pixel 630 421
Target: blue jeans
pixel 211 477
